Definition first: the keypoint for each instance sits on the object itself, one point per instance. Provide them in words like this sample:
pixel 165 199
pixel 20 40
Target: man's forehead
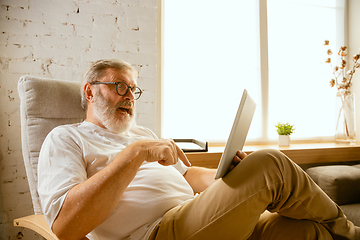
pixel 118 75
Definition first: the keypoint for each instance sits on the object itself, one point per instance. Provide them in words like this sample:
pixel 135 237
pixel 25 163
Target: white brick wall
pixel 59 39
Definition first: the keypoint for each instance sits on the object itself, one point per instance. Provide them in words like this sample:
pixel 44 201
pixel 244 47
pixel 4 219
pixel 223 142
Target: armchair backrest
pixel 44 104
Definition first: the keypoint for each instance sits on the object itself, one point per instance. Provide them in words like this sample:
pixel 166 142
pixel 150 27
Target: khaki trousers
pixel 235 206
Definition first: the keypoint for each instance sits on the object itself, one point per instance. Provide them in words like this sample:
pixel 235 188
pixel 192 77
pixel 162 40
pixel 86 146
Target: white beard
pixel 106 114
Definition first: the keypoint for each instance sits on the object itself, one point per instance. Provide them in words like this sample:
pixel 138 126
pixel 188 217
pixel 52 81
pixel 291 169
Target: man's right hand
pixel 164 151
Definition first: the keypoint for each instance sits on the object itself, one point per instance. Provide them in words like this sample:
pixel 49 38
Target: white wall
pixel 59 39
pixel 354 48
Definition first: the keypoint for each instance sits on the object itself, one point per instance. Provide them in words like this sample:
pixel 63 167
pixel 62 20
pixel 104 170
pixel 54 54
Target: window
pixel 299 89
pixel 213 50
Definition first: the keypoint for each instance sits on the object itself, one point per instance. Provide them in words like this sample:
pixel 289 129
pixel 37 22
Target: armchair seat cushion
pixel 340 182
pixel 352 212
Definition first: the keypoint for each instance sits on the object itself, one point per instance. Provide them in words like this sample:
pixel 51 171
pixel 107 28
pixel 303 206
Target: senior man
pixel 108 178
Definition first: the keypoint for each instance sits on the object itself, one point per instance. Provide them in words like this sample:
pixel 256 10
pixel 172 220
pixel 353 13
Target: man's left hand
pixel 240 155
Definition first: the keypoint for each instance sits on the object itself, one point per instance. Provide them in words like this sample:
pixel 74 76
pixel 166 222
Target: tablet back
pixel 238 133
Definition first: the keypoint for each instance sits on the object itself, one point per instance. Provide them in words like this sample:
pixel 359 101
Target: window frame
pixel 264 72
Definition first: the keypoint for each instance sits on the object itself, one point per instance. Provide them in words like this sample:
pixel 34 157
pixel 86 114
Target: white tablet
pixel 238 134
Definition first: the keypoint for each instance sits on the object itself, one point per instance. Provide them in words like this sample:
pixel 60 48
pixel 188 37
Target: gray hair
pixel 98 69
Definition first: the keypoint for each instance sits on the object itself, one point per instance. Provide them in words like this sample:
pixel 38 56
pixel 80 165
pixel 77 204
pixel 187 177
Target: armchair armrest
pixel 340 182
pixel 36 223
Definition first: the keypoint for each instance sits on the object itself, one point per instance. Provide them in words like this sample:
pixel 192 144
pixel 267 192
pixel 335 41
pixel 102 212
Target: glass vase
pixel 345 122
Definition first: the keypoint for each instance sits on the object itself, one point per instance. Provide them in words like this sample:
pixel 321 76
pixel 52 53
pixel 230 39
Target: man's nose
pixel 130 95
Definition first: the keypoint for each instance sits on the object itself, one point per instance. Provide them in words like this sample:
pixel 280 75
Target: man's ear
pixel 88 90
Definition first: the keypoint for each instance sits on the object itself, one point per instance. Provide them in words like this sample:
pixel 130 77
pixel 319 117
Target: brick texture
pixel 59 39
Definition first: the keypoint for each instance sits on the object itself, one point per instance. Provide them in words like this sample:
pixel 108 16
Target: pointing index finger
pixel 182 156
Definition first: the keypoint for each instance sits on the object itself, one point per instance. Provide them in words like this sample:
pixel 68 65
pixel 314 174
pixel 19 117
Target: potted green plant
pixel 284 130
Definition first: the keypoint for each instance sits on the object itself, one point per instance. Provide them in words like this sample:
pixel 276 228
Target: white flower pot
pixel 284 140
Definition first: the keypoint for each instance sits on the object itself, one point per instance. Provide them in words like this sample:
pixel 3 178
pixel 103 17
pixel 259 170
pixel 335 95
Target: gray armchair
pixel 44 104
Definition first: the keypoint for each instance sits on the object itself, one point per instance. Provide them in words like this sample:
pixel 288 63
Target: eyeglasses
pixel 122 88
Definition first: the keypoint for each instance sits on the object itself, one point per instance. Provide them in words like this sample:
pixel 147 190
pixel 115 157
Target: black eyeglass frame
pixel 127 89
